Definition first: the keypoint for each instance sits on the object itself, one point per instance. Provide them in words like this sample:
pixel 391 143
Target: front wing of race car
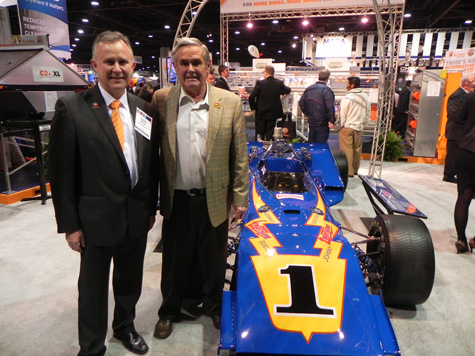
pixel 298 287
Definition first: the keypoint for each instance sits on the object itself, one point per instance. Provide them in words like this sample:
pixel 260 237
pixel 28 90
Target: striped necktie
pixel 117 122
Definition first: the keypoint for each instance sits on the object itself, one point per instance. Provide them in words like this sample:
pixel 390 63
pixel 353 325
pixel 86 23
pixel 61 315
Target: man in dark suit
pixel 265 99
pixel 454 129
pixel 222 81
pixel 103 169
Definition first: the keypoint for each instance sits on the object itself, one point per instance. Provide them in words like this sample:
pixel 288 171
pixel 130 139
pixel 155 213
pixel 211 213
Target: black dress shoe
pixel 163 329
pixel 216 318
pixel 133 342
pixel 450 179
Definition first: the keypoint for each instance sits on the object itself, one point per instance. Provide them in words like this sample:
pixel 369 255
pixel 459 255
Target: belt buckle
pixel 190 193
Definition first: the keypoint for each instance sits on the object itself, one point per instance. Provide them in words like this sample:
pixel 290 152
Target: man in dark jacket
pixel 222 82
pixel 265 99
pixel 454 128
pixel 318 103
pixel 402 110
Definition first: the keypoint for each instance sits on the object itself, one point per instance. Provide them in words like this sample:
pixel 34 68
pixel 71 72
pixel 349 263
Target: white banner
pixel 237 6
pixel 460 60
pixel 334 47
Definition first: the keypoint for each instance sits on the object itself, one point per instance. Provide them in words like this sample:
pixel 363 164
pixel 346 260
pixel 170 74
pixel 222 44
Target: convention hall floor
pixel 38 274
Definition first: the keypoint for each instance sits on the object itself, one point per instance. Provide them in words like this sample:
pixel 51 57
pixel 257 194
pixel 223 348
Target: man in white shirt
pixel 355 113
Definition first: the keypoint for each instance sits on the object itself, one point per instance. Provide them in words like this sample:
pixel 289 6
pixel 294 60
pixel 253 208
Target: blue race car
pixel 299 287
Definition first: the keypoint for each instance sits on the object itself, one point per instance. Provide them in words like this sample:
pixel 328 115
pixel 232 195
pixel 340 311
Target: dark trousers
pixel 194 253
pixel 449 166
pixel 265 128
pixel 319 135
pixel 93 287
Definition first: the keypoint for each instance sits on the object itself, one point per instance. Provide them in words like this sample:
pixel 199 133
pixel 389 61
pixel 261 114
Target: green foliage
pixel 394 148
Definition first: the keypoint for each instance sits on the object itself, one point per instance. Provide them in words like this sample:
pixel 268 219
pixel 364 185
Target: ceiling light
pixel 275 21
pixel 210 41
pixel 249 25
pixel 80 31
pixel 137 43
pixel 263 43
pixel 150 36
pixel 305 22
pixel 85 20
pixel 407 15
pixel 237 32
pixel 364 20
pixel 468 22
pixel 167 27
pixel 238 49
pixel 341 29
pixel 279 51
pixel 294 45
pixel 296 37
pixel 77 39
pixel 95 3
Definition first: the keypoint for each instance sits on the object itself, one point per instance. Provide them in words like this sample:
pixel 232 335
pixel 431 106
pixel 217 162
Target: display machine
pixel 427 95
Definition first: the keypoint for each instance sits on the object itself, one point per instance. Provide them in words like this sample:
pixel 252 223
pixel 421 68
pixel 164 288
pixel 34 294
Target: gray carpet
pixel 38 274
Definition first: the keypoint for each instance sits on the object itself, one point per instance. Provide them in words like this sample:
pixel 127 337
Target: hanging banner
pixel 334 46
pixel 460 60
pixel 237 6
pixel 46 17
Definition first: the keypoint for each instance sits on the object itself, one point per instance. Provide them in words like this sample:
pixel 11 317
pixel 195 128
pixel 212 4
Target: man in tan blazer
pixel 204 171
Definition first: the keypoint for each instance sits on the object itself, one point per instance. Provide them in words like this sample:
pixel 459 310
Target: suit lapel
pixel 172 117
pixel 215 113
pixel 99 109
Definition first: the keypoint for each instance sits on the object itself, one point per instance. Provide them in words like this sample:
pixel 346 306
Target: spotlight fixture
pixel 407 15
pixel 80 31
pixel 468 22
pixel 364 20
pixel 237 32
pixel 249 25
pixel 85 20
pixel 167 27
pixel 341 29
pixel 305 22
pixel 95 3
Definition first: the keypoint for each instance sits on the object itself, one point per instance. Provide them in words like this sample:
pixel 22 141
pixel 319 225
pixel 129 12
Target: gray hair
pixel 190 41
pixel 110 36
pixel 466 78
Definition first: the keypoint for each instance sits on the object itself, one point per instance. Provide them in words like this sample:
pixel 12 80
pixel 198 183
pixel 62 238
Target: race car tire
pixel 342 164
pixel 405 259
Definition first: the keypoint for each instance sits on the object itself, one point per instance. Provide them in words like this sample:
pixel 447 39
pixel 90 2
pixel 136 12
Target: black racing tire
pixel 405 259
pixel 342 164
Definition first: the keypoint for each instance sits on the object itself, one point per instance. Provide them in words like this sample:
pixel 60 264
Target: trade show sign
pixel 237 6
pixel 46 17
pixel 460 60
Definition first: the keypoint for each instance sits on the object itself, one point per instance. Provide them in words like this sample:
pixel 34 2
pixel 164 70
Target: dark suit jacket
pixel 467 113
pixel 265 98
pixel 89 176
pixel 454 129
pixel 221 83
pixel 403 102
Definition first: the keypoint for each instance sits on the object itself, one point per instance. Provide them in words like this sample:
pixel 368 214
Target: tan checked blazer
pixel 227 177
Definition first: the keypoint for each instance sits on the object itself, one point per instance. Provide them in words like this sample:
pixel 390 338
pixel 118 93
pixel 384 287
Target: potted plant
pixel 394 148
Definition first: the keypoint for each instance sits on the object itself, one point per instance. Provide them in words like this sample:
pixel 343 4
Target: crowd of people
pixel 110 151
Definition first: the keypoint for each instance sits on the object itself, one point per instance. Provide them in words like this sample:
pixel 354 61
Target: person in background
pixel 318 103
pixel 146 92
pixel 211 79
pixel 465 170
pixel 402 110
pixel 204 171
pixel 104 182
pixel 454 129
pixel 222 82
pixel 355 113
pixel 266 100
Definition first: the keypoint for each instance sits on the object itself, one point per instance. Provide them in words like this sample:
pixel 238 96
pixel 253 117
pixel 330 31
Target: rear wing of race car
pixel 388 197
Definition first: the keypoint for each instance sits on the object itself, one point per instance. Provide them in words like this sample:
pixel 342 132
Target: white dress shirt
pixel 192 137
pixel 130 148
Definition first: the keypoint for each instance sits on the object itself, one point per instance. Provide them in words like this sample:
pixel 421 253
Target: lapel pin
pixel 217 105
pixel 96 106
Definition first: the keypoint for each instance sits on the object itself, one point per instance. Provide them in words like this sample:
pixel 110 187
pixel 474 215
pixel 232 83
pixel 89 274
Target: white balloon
pixel 253 51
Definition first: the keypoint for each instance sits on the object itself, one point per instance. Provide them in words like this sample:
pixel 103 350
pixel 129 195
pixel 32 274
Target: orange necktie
pixel 117 122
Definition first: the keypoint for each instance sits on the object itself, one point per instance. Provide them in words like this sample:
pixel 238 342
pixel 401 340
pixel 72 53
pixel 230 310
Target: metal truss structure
pixel 389 20
pixel 389 33
pixel 188 19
